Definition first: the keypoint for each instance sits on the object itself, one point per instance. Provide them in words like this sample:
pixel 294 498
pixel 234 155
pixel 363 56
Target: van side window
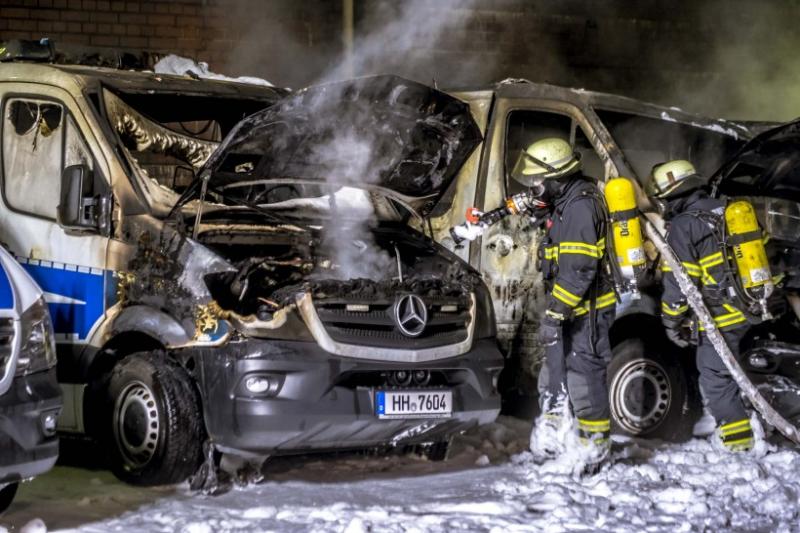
pixel 39 140
pixel 526 127
pixel 647 141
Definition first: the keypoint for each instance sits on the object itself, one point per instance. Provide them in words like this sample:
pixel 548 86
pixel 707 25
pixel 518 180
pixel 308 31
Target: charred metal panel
pixel 140 134
pixel 461 192
pixel 168 272
pixel 382 130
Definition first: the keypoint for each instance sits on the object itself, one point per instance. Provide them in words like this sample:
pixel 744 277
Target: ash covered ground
pixel 488 484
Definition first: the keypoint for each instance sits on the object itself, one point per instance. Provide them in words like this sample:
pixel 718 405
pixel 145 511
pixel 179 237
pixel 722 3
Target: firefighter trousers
pixel 716 384
pixel 576 366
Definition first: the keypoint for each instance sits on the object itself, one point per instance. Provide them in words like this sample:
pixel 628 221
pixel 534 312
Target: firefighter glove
pixel 679 334
pixel 468 231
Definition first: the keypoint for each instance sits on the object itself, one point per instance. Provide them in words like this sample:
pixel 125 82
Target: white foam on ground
pixel 650 486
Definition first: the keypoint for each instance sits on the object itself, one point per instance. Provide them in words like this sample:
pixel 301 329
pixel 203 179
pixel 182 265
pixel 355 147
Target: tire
pixel 647 393
pixel 151 423
pixel 7 494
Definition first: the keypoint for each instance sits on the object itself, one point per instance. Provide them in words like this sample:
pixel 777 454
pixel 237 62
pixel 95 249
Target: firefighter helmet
pixel 673 178
pixel 550 158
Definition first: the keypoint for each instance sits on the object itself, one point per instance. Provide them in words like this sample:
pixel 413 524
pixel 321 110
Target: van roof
pixel 523 89
pixel 80 78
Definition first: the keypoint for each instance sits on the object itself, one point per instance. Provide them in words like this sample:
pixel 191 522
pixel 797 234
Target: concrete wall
pixel 730 57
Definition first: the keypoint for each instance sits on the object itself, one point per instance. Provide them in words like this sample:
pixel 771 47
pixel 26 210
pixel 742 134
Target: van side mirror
pixel 79 208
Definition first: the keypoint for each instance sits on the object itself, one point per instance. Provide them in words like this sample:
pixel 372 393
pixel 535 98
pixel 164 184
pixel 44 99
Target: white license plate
pixel 414 404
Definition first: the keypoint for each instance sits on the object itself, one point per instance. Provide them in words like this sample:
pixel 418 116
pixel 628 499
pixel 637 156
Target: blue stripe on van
pixel 6 292
pixel 81 290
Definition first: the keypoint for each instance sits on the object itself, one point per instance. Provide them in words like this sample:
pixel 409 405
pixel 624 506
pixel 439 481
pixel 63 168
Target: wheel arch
pixel 122 344
pixel 134 329
pixel 640 325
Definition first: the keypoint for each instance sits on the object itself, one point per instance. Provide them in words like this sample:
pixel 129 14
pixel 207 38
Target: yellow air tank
pixel 748 248
pixel 626 228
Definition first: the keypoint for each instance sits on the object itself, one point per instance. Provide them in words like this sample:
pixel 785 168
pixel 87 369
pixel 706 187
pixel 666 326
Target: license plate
pixel 414 404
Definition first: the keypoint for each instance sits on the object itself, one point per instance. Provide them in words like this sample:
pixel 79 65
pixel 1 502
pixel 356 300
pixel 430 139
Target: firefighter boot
pixel 737 436
pixel 550 431
pixel 595 439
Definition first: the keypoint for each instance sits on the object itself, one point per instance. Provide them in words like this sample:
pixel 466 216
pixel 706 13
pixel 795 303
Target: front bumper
pixel 28 447
pixel 324 402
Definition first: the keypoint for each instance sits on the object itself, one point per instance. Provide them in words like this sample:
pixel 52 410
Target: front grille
pixel 448 323
pixel 6 344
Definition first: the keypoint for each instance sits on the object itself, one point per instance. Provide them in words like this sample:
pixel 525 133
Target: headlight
pixel 37 349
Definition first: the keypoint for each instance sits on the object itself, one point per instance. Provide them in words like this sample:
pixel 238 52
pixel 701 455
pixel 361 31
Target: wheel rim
pixel 136 424
pixel 641 396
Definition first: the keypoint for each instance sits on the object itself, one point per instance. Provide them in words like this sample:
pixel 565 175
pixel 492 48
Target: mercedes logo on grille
pixel 411 315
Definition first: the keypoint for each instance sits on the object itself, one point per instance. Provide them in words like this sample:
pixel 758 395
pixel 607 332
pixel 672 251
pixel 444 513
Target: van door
pixel 42 131
pixel 461 193
pixel 507 257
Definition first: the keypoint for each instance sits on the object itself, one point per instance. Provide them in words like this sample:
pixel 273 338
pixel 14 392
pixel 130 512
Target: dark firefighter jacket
pixel 572 252
pixel 692 223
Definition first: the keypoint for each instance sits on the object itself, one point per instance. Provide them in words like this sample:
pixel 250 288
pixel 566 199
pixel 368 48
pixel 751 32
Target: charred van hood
pixel 380 132
pixel 768 165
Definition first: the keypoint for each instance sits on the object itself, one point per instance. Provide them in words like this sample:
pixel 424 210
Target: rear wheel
pixel 151 424
pixel 7 494
pixel 647 393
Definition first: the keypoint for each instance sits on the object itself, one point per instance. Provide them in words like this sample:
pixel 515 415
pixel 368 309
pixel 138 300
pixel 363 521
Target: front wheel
pixel 647 393
pixel 151 425
pixel 7 494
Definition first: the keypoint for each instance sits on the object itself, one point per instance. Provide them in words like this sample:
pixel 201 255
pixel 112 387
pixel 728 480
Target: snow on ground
pixel 488 485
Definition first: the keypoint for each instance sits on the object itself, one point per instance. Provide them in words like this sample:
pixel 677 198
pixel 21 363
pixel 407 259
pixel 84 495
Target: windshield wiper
pixel 202 184
pixel 274 217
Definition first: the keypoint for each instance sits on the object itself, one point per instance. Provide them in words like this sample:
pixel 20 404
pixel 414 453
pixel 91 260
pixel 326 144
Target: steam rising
pixel 398 31
pixel 755 62
pixel 706 57
pixel 353 155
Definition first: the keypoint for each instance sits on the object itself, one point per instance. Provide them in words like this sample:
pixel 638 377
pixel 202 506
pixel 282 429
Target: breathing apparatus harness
pixel 747 277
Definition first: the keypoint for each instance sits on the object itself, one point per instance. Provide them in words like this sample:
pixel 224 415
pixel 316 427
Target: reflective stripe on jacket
pixel 693 240
pixel 573 249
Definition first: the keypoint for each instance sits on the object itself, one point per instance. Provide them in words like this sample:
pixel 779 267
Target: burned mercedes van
pixel 251 284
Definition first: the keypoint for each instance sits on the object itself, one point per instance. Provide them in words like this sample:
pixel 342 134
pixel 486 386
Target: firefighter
pixel 694 220
pixel 579 302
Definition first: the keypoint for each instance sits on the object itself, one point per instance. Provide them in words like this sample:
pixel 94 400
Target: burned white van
pixel 250 284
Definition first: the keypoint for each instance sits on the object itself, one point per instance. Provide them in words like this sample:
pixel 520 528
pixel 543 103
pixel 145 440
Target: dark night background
pixel 729 58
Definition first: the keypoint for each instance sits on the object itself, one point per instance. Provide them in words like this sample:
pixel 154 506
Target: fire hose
pixel 695 301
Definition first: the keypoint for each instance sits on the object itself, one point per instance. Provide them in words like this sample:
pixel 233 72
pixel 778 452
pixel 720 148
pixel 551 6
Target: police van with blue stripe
pixel 199 301
pixel 30 399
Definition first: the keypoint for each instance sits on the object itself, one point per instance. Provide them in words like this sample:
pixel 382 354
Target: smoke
pixel 295 44
pixel 354 154
pixel 278 40
pixel 352 157
pixel 400 37
pixel 391 37
pixel 754 63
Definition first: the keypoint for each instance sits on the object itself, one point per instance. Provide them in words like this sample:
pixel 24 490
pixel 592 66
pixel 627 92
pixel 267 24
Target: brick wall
pixel 175 25
pixel 734 57
pixel 222 32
